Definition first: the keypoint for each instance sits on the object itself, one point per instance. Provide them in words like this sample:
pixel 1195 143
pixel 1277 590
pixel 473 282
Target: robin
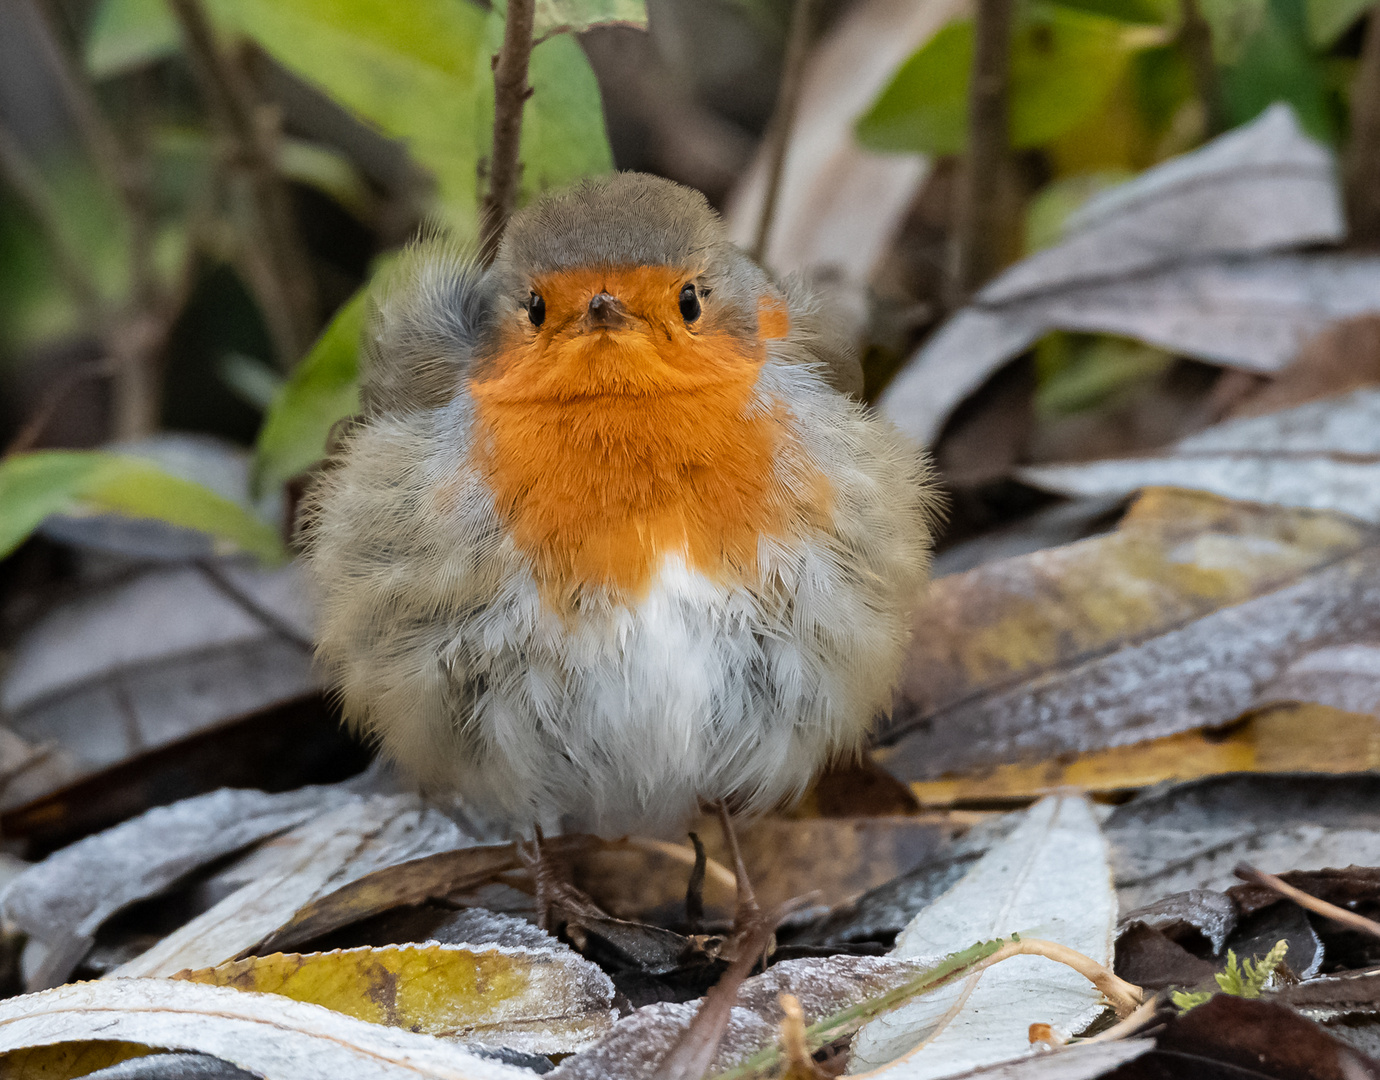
pixel 610 540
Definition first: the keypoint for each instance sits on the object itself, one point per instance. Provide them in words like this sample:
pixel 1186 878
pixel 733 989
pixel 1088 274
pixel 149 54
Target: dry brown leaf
pixel 430 877
pixel 1342 358
pixel 833 858
pixel 1176 621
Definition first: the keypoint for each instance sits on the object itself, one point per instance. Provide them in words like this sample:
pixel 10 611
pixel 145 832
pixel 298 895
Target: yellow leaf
pixel 541 1001
pixel 66 1060
pixel 1283 738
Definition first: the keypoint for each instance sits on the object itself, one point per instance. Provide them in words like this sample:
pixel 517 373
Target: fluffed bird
pixel 610 539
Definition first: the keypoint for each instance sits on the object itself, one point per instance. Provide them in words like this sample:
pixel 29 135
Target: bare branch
pixel 281 275
pixel 128 176
pixel 1195 38
pixel 510 95
pixel 27 182
pixel 1308 901
pixel 783 121
pixel 979 217
pixel 1363 155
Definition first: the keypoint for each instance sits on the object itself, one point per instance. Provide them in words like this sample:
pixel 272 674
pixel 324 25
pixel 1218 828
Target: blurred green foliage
pixel 323 388
pixel 1064 64
pixel 1101 89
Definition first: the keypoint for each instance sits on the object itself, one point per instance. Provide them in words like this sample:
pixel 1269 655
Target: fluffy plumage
pixel 591 572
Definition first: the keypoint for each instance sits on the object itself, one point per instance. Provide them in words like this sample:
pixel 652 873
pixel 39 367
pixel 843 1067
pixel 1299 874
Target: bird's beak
pixel 606 312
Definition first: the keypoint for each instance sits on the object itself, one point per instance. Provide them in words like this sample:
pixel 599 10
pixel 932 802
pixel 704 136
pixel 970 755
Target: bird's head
pixel 624 286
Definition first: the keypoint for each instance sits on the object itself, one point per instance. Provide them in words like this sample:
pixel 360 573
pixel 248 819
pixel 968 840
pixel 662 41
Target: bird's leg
pixel 546 879
pixel 748 913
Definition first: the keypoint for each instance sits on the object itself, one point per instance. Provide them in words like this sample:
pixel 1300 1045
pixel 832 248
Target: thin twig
pixel 251 606
pixel 1363 155
pixel 23 177
pixel 783 120
pixel 691 1054
pixel 1142 1015
pixel 1195 38
pixel 126 174
pixel 510 95
pixel 53 397
pixel 1305 900
pixel 281 277
pixel 979 219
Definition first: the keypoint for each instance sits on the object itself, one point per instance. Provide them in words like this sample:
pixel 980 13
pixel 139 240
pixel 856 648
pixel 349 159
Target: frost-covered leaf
pixel 63 900
pixel 1345 677
pixel 1188 257
pixel 1192 836
pixel 824 986
pixel 1178 620
pixel 1262 187
pixel 428 877
pixel 307 863
pixel 839 205
pixel 547 1001
pixel 262 1033
pixel 1322 454
pixel 136 660
pixel 1049 878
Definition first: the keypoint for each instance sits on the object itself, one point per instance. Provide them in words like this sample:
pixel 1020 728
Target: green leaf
pixel 1330 19
pixel 35 486
pixel 323 389
pixel 574 16
pixel 1277 64
pixel 1185 1001
pixel 413 70
pixel 1064 63
pixel 127 34
pixel 563 135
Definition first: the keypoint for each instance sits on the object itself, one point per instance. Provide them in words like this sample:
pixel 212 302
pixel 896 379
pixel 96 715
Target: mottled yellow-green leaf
pixel 323 388
pixel 63 1061
pixel 547 1001
pixel 34 486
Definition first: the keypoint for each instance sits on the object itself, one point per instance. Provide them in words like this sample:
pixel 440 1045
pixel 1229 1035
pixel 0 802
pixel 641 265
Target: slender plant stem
pixel 1363 155
pixel 281 276
pixel 128 176
pixel 510 96
pixel 1308 901
pixel 783 120
pixel 1195 38
pixel 979 224
pixel 23 176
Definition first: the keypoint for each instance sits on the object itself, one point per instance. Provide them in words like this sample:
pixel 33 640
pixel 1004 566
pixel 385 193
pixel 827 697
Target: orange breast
pixel 608 452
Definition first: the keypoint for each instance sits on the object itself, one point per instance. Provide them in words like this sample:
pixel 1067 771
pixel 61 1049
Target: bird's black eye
pixel 689 303
pixel 536 309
